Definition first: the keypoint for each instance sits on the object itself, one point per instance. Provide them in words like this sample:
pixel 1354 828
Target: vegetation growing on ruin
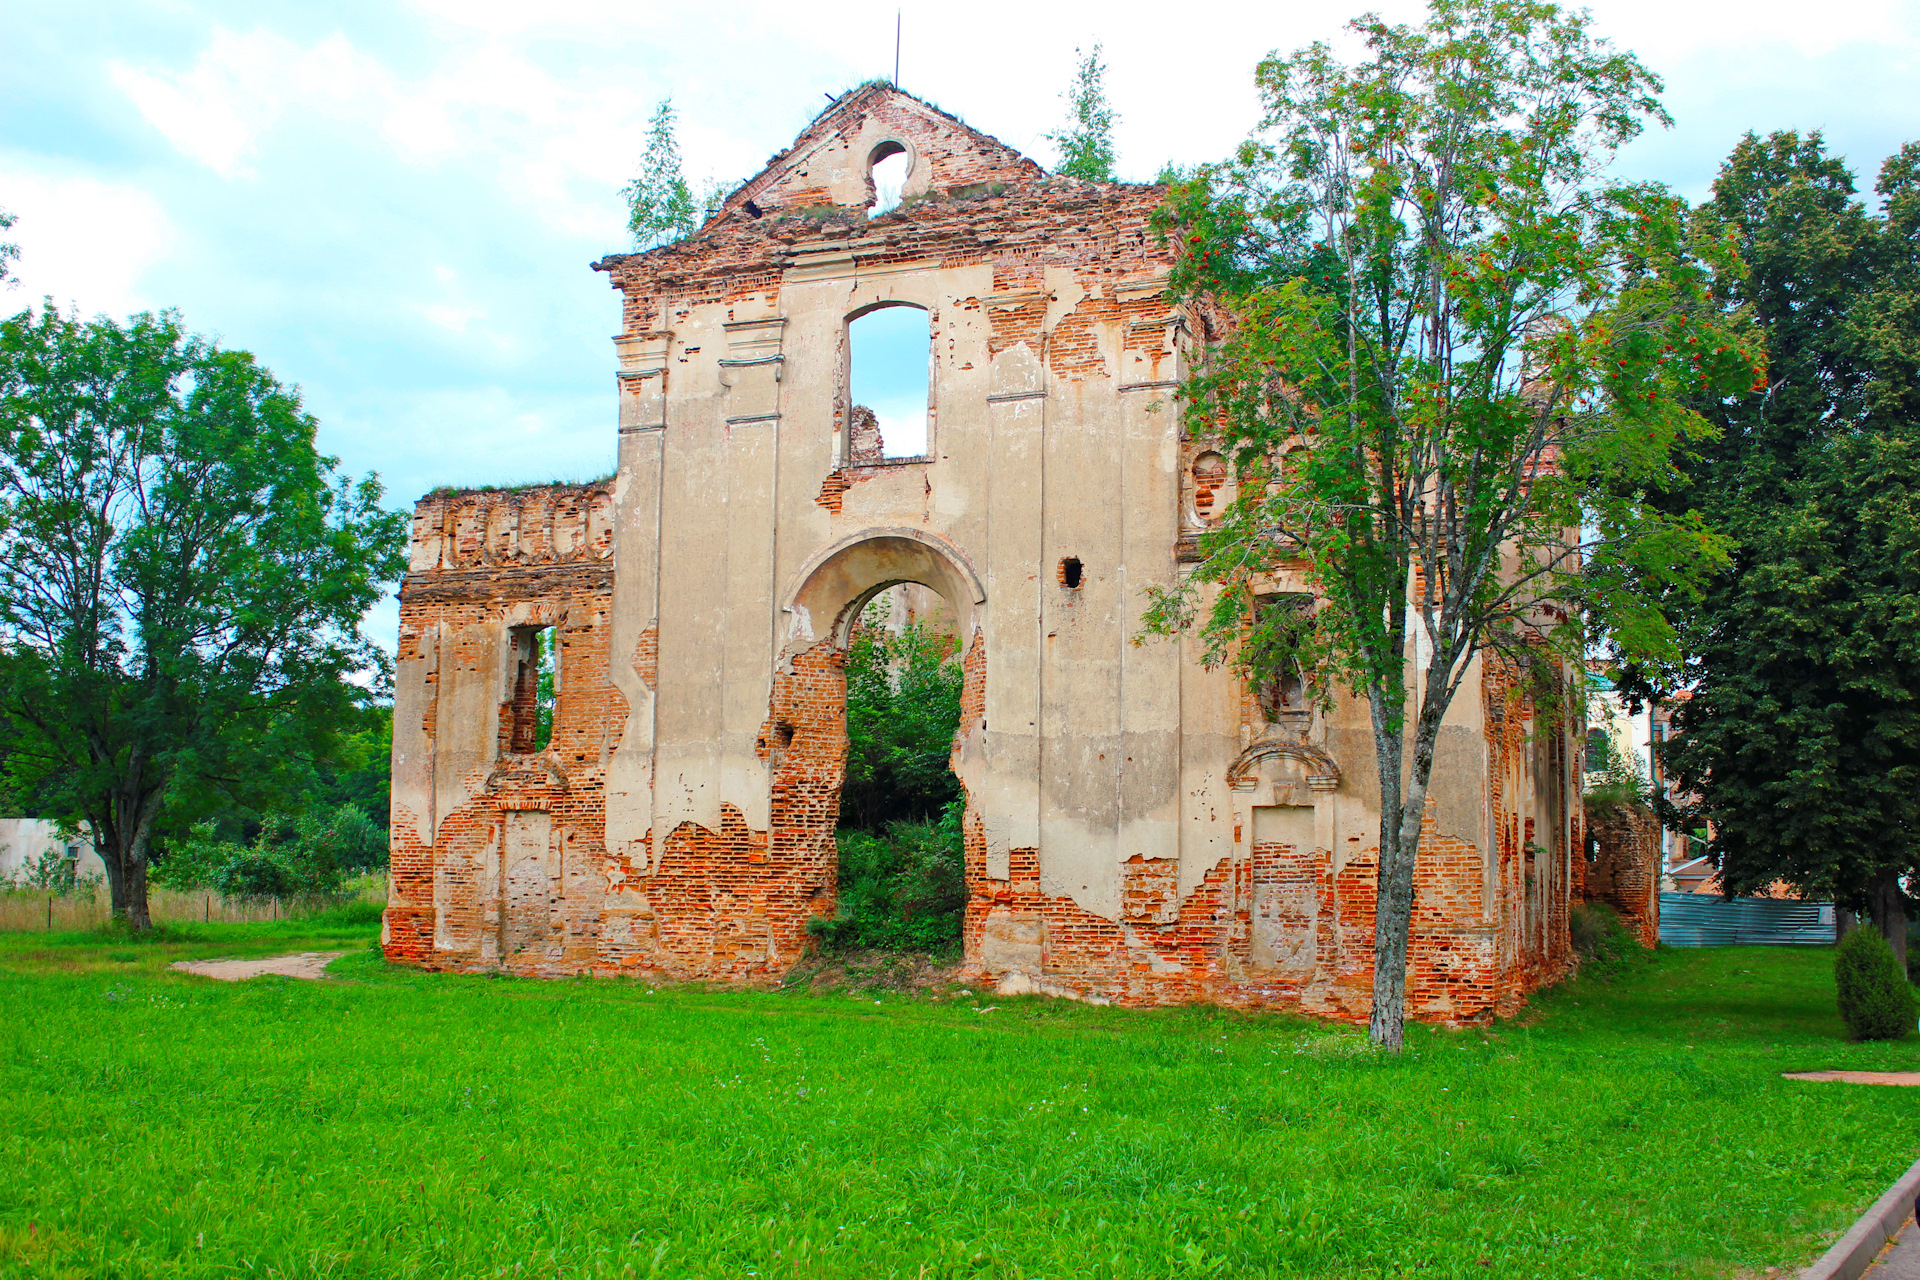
pixel 902 879
pixel 1086 141
pixel 903 706
pixel 1606 947
pixel 400 1123
pixel 903 888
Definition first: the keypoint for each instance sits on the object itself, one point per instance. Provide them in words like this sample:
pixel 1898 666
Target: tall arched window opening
pixel 888 167
pixel 890 349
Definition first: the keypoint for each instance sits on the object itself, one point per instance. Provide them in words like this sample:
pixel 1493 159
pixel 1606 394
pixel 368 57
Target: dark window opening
pixel 534 696
pixel 1070 573
pixel 1276 654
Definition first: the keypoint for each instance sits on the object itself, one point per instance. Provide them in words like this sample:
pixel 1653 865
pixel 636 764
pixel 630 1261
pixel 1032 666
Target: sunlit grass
pixel 395 1123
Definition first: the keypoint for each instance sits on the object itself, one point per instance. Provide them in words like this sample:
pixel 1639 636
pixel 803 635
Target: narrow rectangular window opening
pixel 891 354
pixel 533 697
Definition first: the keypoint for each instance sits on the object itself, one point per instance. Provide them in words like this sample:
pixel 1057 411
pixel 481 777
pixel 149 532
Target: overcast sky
pixel 394 204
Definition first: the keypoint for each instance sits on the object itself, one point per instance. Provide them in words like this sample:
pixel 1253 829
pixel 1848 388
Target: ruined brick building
pixel 1139 828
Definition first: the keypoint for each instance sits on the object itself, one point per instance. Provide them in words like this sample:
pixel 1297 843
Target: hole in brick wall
pixel 887 166
pixel 887 384
pixel 1209 474
pixel 1070 572
pixel 533 698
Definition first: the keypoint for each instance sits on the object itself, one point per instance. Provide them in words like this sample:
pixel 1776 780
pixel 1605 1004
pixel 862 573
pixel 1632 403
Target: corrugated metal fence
pixel 1703 920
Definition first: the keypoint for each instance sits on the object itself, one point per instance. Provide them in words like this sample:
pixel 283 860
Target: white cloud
pixel 83 242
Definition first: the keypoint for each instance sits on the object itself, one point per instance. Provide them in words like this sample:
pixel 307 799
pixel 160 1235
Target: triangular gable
pixel 831 162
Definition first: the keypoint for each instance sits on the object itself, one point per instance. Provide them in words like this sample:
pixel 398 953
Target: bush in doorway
pixel 904 890
pixel 903 705
pixel 1876 1000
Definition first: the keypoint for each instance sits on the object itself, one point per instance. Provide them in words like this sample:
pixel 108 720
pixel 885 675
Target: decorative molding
pixel 1149 386
pixel 1323 774
pixel 1005 396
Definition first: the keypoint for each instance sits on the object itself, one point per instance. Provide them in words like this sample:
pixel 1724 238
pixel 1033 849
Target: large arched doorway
pixel 805 741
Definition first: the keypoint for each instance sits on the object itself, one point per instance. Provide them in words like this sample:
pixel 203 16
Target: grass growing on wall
pixel 395 1123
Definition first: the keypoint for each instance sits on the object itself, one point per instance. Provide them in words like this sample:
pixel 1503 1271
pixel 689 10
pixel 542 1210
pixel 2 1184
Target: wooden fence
pixel 42 909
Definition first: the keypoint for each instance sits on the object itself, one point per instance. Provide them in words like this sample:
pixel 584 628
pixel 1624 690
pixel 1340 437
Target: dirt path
pixel 1858 1077
pixel 302 964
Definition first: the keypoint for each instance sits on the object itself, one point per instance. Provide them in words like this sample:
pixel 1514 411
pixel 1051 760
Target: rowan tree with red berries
pixel 1458 356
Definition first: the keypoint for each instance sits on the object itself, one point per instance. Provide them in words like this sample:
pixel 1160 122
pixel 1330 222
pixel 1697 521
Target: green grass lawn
pixel 393 1123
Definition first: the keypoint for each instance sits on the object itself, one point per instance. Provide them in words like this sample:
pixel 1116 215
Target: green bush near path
pixel 398 1123
pixel 1875 998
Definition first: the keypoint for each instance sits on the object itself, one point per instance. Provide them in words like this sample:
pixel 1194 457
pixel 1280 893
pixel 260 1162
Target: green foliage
pixel 51 871
pixel 182 579
pixel 1606 947
pixel 306 855
pixel 1801 741
pixel 543 697
pixel 1458 361
pixel 660 204
pixel 1086 143
pixel 1614 780
pixel 903 890
pixel 9 252
pixel 828 1136
pixel 1876 1000
pixel 903 708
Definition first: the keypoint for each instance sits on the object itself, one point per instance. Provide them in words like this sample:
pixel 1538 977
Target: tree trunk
pixel 1392 921
pixel 126 863
pixel 1843 922
pixel 1400 819
pixel 1887 907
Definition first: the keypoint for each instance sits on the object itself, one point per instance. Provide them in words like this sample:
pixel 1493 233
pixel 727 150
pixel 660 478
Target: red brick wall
pixel 1625 869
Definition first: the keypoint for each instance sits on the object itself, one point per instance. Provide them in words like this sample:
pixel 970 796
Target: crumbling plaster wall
pixel 1136 831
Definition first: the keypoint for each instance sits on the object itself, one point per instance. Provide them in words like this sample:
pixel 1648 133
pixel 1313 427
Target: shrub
pixel 1606 947
pixel 308 855
pixel 903 705
pixel 902 891
pixel 1876 1000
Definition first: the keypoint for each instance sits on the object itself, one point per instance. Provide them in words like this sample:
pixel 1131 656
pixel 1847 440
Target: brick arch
pixel 836 582
pixel 804 740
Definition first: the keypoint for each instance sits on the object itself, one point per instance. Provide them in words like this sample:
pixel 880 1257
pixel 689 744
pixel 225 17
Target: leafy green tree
pixel 903 708
pixel 1800 742
pixel 182 578
pixel 1086 143
pixel 660 204
pixel 1454 346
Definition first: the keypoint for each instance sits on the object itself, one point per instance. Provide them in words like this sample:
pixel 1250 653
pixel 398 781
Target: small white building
pixel 24 841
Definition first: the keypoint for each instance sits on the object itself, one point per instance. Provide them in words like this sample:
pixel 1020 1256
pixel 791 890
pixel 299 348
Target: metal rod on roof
pixel 896 48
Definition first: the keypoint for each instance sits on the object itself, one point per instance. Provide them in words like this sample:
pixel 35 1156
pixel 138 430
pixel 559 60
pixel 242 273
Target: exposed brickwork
pixel 490 569
pixel 1058 286
pixel 864 443
pixel 1622 866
